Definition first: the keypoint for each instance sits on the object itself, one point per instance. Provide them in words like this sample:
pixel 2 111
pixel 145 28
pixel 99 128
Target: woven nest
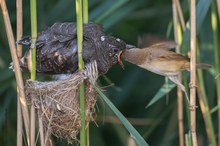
pixel 57 102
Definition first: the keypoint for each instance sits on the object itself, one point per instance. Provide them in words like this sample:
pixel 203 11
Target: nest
pixel 57 102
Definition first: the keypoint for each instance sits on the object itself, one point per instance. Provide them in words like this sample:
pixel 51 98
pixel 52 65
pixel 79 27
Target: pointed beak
pixel 128 46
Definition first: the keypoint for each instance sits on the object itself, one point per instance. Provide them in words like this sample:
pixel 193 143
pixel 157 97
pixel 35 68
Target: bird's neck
pixel 135 56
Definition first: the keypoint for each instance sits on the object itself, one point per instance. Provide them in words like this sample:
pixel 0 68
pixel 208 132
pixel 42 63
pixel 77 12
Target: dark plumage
pixel 57 49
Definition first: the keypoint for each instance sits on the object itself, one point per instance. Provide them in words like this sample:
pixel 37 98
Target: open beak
pixel 119 59
pixel 128 46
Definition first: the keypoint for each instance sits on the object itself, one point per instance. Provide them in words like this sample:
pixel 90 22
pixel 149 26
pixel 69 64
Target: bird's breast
pixel 165 68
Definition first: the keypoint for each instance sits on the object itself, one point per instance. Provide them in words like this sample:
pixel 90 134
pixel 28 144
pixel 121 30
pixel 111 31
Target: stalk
pixel 203 102
pixel 85 12
pixel 18 75
pixel 81 65
pixel 205 109
pixel 33 4
pixel 19 54
pixel 34 37
pixel 216 57
pixel 193 71
pixel 85 21
pixel 179 91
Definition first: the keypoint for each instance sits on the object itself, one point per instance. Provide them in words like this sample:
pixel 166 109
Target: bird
pixel 57 53
pixel 158 58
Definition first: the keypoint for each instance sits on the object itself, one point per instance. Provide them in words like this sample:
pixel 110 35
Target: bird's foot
pixel 192 85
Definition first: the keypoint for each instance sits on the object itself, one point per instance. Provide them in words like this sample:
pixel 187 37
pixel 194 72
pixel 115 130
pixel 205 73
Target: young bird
pixel 158 59
pixel 57 49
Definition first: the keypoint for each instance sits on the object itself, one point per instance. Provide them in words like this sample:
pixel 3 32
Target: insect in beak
pixel 119 59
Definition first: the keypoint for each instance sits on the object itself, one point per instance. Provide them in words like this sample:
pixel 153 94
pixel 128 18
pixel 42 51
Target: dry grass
pixel 57 103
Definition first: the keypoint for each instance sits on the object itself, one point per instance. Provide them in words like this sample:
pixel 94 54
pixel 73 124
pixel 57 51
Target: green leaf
pixel 165 89
pixel 201 11
pixel 134 134
pixel 214 109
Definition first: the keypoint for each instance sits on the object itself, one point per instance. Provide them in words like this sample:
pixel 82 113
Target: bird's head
pixel 113 47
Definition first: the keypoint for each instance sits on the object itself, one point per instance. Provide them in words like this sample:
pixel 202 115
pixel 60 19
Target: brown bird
pixel 158 59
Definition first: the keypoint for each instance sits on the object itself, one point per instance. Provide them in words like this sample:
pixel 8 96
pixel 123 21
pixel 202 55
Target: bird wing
pixel 57 47
pixel 57 58
pixel 166 55
pixel 167 45
pixel 155 41
pixel 63 32
pixel 148 40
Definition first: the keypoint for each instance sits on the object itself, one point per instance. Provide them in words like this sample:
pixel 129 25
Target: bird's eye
pixel 115 50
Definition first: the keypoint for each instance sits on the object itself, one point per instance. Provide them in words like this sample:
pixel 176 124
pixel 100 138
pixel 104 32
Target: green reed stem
pixel 85 21
pixel 34 37
pixel 81 65
pixel 85 11
pixel 33 4
pixel 216 57
pixel 203 101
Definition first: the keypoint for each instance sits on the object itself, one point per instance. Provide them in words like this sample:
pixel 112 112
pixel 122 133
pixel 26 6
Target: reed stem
pixel 193 71
pixel 215 30
pixel 179 91
pixel 85 21
pixel 79 23
pixel 33 5
pixel 18 76
pixel 85 11
pixel 19 54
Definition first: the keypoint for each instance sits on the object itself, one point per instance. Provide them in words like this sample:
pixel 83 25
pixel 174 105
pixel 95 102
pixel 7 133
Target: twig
pixel 41 129
pixel 19 53
pixel 18 76
pixel 179 91
pixel 193 71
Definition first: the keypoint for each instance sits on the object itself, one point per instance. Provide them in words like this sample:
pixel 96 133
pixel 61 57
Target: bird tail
pixel 26 40
pixel 203 66
pixel 22 64
pixel 198 66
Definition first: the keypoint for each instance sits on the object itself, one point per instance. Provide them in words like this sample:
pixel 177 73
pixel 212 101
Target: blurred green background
pixel 133 87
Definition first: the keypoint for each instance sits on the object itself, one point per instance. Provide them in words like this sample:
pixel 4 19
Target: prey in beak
pixel 128 46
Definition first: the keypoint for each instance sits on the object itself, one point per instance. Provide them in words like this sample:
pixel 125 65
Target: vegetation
pixel 133 88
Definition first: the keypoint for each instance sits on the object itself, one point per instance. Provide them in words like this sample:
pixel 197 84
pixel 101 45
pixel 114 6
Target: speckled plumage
pixel 57 49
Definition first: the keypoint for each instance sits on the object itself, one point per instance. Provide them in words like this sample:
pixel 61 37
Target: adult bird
pixel 57 49
pixel 158 58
